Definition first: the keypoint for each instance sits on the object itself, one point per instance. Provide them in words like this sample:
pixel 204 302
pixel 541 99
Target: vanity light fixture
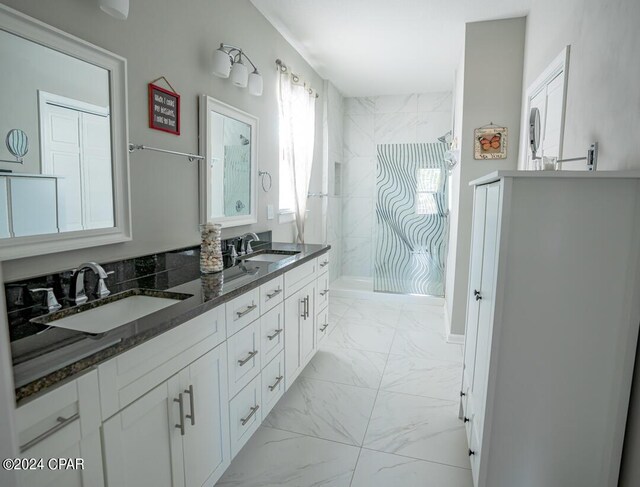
pixel 116 8
pixel 227 61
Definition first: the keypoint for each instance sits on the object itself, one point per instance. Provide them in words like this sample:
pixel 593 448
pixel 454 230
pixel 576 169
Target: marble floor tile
pixel 421 321
pixel 339 306
pixel 347 366
pixel 361 337
pixel 372 313
pixel 377 469
pixel 425 344
pixel 279 458
pixel 324 410
pixel 418 427
pixel 423 377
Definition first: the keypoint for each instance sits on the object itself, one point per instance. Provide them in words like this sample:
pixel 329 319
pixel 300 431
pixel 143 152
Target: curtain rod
pixel 282 67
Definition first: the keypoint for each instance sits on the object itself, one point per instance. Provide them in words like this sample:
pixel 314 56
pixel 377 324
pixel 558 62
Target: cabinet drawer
pixel 297 278
pixel 245 414
pixel 127 377
pixel 243 357
pixel 271 294
pixel 272 334
pixel 322 292
pixel 272 383
pixel 242 310
pixel 323 263
pixel 322 323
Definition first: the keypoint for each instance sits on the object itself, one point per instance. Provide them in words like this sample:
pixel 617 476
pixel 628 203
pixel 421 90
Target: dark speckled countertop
pixel 55 355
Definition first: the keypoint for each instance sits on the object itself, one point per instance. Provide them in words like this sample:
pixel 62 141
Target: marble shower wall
pixel 368 122
pixel 335 140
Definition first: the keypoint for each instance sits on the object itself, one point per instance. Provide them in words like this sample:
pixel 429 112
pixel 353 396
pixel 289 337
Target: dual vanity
pixel 170 396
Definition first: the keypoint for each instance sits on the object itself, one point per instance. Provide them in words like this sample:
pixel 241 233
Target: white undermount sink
pixel 273 256
pixel 111 315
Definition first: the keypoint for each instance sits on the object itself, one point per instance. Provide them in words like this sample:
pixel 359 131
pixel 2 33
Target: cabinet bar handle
pixel 303 301
pixel 62 422
pixel 246 311
pixel 324 293
pixel 324 264
pixel 324 327
pixel 192 400
pixel 181 404
pixel 278 380
pixel 307 307
pixel 249 357
pixel 274 293
pixel 244 421
pixel 275 334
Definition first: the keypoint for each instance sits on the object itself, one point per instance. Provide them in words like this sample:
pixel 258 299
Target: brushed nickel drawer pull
pixel 324 327
pixel 324 293
pixel 303 301
pixel 325 263
pixel 191 416
pixel 306 307
pixel 275 334
pixel 62 422
pixel 278 380
pixel 246 311
pixel 249 357
pixel 180 402
pixel 274 293
pixel 244 421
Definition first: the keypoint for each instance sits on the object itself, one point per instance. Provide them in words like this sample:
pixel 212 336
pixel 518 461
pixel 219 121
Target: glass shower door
pixel 411 219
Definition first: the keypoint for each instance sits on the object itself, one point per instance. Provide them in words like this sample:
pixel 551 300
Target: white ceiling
pixel 383 47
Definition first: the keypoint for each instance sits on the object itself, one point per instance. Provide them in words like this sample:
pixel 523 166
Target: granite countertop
pixel 56 355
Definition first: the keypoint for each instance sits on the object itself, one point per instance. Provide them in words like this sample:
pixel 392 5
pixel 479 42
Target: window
pixel 429 181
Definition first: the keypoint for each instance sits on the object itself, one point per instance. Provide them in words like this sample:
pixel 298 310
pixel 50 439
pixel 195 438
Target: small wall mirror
pixel 534 132
pixel 64 167
pixel 228 138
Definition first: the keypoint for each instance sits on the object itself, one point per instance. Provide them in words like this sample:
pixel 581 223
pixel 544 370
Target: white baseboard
pixel 451 337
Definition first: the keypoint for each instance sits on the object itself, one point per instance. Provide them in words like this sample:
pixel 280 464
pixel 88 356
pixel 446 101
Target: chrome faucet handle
pixel 52 302
pixel 77 294
pixel 102 290
pixel 249 248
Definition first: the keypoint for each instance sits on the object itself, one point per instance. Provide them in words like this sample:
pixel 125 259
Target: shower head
pixel 445 138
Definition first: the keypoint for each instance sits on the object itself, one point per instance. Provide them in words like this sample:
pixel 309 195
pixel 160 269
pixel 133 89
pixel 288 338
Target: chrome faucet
pixel 77 293
pixel 247 243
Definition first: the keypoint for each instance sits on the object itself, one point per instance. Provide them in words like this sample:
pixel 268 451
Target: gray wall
pixel 603 104
pixel 492 92
pixel 164 189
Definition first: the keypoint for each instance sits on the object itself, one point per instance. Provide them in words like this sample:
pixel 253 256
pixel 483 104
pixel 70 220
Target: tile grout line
pixel 415 458
pixel 372 409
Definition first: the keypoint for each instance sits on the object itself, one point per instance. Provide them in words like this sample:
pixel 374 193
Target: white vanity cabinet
pixel 552 327
pixel 64 423
pixel 175 435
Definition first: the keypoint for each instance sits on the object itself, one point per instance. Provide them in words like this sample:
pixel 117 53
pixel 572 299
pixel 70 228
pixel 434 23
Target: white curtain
pixel 297 133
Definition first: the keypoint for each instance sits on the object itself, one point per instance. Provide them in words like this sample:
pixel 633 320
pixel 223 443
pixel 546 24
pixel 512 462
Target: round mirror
pixel 534 131
pixel 17 143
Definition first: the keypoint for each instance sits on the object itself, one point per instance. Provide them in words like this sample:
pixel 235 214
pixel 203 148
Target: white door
pixel 478 395
pixel 308 325
pixel 61 158
pixel 97 194
pixel 206 441
pixel 294 310
pixel 142 445
pixel 473 305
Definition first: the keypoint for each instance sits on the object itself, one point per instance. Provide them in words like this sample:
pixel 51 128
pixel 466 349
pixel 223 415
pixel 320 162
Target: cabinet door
pixel 142 445
pixel 308 325
pixel 473 305
pixel 478 396
pixel 206 441
pixel 294 310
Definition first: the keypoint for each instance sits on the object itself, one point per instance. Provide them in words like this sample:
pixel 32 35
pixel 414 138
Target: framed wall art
pixel 490 142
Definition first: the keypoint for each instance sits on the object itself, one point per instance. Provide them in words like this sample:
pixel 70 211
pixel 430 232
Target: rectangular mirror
pixel 228 139
pixel 64 161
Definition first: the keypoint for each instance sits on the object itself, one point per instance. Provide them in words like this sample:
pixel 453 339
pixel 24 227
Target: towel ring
pixel 262 175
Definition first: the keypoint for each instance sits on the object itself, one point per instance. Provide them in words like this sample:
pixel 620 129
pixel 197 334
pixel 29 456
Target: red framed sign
pixel 164 110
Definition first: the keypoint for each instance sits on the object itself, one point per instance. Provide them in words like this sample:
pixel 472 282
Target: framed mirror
pixel 534 132
pixel 64 167
pixel 229 143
